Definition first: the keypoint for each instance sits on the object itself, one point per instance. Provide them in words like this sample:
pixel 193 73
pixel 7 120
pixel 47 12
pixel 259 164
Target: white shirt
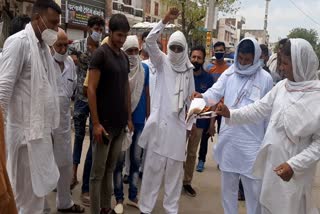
pixel 15 89
pixel 165 130
pixel 67 83
pixel 302 151
pixel 238 145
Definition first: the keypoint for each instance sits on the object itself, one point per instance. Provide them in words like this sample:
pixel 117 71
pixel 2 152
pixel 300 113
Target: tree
pixel 309 35
pixel 193 13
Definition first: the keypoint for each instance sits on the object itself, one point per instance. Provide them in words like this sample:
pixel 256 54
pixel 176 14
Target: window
pixel 156 9
pixel 127 2
pixel 148 7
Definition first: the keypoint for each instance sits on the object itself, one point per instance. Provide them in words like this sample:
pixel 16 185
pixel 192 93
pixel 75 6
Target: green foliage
pixel 309 35
pixel 193 14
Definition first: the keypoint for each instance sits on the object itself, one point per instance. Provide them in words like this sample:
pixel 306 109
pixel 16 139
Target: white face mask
pixel 49 36
pixel 133 61
pixel 96 36
pixel 60 57
pixel 261 61
pixel 243 67
pixel 175 57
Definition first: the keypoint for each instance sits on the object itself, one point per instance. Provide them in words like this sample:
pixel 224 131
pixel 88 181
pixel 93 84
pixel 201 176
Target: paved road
pixel 207 185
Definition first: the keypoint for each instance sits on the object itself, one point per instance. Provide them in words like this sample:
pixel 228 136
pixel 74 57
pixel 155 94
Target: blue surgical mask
pixel 96 36
pixel 261 61
pixel 243 67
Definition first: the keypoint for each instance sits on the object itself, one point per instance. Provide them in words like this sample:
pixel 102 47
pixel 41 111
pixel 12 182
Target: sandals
pixel 74 209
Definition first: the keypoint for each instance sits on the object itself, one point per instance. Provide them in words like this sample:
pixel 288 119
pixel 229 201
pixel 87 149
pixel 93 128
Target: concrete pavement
pixel 207 185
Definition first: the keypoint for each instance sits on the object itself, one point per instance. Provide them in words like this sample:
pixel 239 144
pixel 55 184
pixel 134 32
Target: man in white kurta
pixel 67 82
pixel 287 160
pixel 165 129
pixel 243 83
pixel 28 96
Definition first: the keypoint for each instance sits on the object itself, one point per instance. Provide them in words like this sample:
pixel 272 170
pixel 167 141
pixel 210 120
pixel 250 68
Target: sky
pixel 283 16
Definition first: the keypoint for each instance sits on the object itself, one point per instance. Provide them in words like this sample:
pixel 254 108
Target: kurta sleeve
pixel 214 94
pixel 309 156
pixel 11 65
pixel 254 112
pixel 155 54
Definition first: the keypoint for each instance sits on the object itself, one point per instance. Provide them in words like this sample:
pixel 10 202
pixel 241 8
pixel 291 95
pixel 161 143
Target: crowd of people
pixel 135 99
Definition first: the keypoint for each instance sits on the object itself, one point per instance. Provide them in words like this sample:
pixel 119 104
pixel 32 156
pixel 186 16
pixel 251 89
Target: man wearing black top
pixel 109 102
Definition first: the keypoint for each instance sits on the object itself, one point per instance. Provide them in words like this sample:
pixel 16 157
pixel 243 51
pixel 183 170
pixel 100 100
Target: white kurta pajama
pixel 165 129
pixel 238 146
pixel 293 135
pixel 67 81
pixel 28 98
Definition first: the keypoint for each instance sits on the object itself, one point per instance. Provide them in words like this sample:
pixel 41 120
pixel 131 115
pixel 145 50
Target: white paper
pixel 196 106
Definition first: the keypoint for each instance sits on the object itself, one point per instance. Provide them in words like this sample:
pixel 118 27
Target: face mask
pixel 197 66
pixel 243 67
pixel 133 61
pixel 175 57
pixel 261 61
pixel 219 55
pixel 96 36
pixel 49 36
pixel 60 57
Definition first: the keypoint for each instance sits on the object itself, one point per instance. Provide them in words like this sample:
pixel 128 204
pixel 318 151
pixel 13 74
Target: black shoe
pixel 189 190
pixel 125 179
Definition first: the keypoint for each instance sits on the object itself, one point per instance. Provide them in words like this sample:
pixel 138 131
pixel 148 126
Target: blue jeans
pixel 81 114
pixel 135 161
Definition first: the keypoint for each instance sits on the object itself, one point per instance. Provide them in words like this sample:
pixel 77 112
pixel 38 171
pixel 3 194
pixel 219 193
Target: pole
pixel 210 19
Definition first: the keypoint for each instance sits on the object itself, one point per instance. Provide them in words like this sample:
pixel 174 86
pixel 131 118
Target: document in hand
pixel 198 110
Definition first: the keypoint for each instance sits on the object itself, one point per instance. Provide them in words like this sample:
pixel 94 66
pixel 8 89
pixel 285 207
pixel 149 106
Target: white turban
pixel 131 42
pixel 180 61
pixel 304 60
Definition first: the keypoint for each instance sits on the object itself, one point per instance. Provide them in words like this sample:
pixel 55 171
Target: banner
pixel 78 12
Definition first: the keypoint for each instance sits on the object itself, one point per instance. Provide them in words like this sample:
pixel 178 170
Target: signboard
pixel 78 12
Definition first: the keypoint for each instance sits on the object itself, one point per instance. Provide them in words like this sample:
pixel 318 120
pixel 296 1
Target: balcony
pixel 117 7
pixel 133 14
pixel 138 13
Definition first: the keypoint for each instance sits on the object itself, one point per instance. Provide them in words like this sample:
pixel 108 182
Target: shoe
pixel 189 190
pixel 133 203
pixel 118 209
pixel 85 199
pixel 125 179
pixel 200 166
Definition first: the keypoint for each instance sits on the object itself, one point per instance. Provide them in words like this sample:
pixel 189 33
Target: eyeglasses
pixel 176 48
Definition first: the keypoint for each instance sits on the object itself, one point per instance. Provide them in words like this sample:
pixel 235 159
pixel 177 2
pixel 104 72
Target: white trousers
pixel 27 202
pixel 230 188
pixel 156 168
pixel 64 198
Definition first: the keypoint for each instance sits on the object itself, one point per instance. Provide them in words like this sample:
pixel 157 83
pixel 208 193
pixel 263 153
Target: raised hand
pixel 172 14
